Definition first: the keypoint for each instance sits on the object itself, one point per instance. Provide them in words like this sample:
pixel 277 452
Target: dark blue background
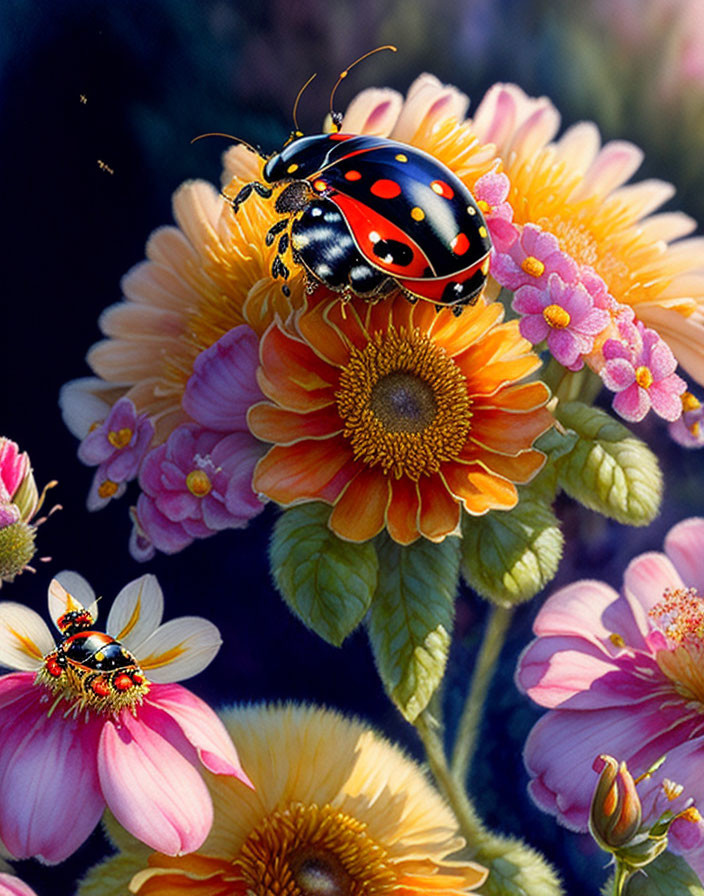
pixel 155 74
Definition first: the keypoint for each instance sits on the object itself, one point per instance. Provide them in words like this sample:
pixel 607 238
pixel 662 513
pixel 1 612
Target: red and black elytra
pixel 364 214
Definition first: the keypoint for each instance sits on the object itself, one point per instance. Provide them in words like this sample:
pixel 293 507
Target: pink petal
pixel 150 783
pixel 584 609
pixel 13 886
pixel 684 545
pixel 50 798
pixel 13 466
pixel 534 328
pixel 645 580
pixel 618 373
pixel 665 397
pixel 202 727
pixel 632 404
pixel 529 300
pixel 565 346
pixel 165 536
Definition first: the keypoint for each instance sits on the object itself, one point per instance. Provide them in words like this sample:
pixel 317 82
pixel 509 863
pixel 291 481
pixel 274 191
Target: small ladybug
pixel 95 664
pixel 364 214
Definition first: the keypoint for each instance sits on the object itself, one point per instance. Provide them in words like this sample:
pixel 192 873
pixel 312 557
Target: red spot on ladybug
pixel 138 679
pixel 100 687
pixel 320 186
pixel 53 668
pixel 442 189
pixel 385 189
pixel 123 682
pixel 460 244
pixel 339 136
pixel 353 175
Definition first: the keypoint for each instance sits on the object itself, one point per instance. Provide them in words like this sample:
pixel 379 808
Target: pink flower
pixel 13 886
pixel 640 368
pixel 97 720
pixel 621 674
pixel 491 191
pixel 13 469
pixel 117 448
pixel 530 261
pixel 688 430
pixel 565 315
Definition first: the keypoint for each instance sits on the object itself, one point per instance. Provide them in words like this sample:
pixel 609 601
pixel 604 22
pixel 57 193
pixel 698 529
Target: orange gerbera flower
pixel 397 415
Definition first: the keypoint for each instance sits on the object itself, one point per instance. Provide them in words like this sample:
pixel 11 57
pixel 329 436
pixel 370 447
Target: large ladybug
pixel 364 214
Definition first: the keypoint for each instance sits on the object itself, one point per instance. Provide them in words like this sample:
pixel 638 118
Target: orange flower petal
pixel 479 490
pixel 274 424
pixel 359 512
pixel 402 515
pixel 487 380
pixel 507 432
pixel 519 398
pixel 439 511
pixel 503 343
pixel 520 468
pixel 457 334
pixel 306 471
pixel 292 373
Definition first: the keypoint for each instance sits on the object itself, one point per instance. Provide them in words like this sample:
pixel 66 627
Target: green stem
pixel 623 872
pixel 583 385
pixel 470 720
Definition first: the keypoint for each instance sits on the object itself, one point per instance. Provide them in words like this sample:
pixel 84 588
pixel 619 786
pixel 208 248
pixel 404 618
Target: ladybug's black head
pixel 75 621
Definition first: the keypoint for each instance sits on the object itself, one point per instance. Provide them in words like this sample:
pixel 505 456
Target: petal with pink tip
pixel 179 649
pixel 645 581
pixel 150 783
pixel 579 610
pixel 50 798
pixel 13 886
pixel 136 612
pixel 684 545
pixel 202 727
pixel 70 591
pixel 25 638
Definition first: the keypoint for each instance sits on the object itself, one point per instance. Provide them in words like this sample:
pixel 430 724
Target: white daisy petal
pixel 70 591
pixel 179 649
pixel 136 612
pixel 25 638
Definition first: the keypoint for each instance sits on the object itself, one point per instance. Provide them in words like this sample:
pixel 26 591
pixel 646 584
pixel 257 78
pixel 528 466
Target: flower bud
pixel 615 815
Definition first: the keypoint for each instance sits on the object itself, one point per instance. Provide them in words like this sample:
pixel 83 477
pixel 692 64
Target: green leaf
pixel 327 582
pixel 668 875
pixel 516 869
pixel 509 556
pixel 411 617
pixel 609 470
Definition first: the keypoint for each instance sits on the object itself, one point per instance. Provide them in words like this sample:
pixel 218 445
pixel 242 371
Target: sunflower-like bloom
pixel 397 415
pixel 336 809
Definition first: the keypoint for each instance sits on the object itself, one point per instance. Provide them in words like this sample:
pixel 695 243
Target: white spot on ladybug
pixel 471 210
pixel 374 237
pixel 316 212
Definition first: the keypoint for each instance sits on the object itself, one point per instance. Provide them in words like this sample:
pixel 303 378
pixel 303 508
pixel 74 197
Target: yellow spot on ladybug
pixel 120 438
pixel 485 266
pixel 198 483
pixel 100 656
pixel 401 157
pixel 293 167
pixel 532 266
pixel 482 231
pixel 320 186
pixel 556 317
pixel 107 488
pixel 644 377
pixel 417 213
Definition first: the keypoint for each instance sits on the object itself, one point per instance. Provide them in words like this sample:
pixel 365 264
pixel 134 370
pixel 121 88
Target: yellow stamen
pixel 404 404
pixel 671 789
pixel 107 488
pixel 690 402
pixel 198 483
pixel 696 429
pixel 120 438
pixel 484 206
pixel 644 377
pixel 691 814
pixel 533 266
pixel 617 640
pixel 556 316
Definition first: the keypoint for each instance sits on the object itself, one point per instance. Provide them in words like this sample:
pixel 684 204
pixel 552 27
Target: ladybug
pixel 364 214
pixel 95 662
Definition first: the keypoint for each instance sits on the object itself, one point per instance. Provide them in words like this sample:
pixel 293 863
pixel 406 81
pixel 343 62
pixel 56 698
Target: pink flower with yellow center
pixel 97 720
pixel 622 674
pixel 396 415
pixel 688 430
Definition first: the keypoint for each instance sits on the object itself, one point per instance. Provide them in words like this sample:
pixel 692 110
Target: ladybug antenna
pixel 335 116
pixel 297 132
pixel 220 134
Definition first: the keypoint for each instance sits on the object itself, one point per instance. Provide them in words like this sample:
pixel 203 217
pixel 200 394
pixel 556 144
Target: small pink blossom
pixel 13 469
pixel 621 674
pixel 117 448
pixel 640 368
pixel 688 430
pixel 491 191
pixel 531 259
pixel 121 734
pixel 564 315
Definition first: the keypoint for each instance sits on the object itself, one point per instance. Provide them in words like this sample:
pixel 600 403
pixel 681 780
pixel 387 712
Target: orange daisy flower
pixel 396 415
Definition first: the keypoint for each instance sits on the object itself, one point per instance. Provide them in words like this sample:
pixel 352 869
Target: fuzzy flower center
pixel 120 438
pixel 533 266
pixel 107 488
pixel 198 483
pixel 404 404
pixel 644 377
pixel 313 851
pixel 556 317
pixel 680 617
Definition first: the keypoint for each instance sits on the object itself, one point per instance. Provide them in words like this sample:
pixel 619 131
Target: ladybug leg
pixel 246 191
pixel 274 231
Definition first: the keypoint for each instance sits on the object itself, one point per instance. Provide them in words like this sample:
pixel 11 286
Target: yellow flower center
pixel 533 266
pixel 404 404
pixel 690 402
pixel 556 317
pixel 484 206
pixel 680 617
pixel 107 488
pixel 644 377
pixel 313 851
pixel 198 483
pixel 120 438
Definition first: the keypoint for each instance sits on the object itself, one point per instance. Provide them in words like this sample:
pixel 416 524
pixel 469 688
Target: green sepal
pixel 411 618
pixel 608 469
pixel 516 869
pixel 327 582
pixel 668 875
pixel 509 556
